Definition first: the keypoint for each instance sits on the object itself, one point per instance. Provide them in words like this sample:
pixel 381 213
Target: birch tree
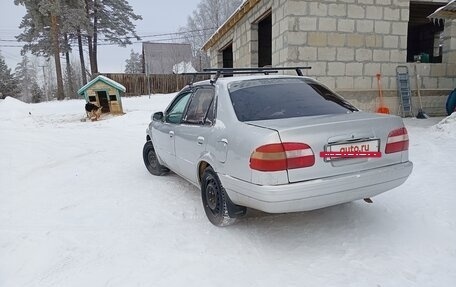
pixel 203 22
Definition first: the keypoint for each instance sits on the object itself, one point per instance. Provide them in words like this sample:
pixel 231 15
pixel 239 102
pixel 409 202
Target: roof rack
pixel 260 70
pixel 217 72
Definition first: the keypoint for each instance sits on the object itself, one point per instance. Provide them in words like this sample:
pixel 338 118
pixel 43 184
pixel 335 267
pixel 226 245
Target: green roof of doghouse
pixel 103 79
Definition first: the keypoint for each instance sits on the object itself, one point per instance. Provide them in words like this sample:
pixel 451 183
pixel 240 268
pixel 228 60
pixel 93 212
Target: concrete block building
pixel 347 42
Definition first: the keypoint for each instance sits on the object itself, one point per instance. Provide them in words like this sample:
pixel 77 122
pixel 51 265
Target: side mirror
pixel 158 116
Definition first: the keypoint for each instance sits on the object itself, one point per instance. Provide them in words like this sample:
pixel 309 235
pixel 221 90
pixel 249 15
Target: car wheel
pixel 215 200
pixel 151 160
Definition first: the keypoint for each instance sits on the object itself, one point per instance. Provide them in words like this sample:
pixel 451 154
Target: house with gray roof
pixel 161 58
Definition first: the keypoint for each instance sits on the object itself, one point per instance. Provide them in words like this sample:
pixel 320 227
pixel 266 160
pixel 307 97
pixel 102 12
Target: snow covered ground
pixel 78 208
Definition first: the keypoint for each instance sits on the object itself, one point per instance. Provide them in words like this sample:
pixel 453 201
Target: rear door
pixel 192 134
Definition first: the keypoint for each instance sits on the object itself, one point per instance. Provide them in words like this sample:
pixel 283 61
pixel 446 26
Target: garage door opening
pixel 425 41
pixel 227 56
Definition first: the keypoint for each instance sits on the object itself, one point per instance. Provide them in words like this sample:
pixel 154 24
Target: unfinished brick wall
pixel 347 42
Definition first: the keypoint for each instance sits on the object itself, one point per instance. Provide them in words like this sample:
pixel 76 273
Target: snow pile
pixel 12 103
pixel 447 125
pixel 11 108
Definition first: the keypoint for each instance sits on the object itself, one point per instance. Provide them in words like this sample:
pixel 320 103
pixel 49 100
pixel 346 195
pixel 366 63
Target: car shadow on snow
pixel 349 222
pixel 337 225
pixel 346 214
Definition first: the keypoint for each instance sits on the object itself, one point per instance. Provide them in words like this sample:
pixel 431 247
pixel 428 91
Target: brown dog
pixel 93 111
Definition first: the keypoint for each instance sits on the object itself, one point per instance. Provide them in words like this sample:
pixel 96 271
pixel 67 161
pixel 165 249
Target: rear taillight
pixel 397 141
pixel 282 156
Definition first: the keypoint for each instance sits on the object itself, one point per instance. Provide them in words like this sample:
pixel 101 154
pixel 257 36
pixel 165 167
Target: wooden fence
pixel 138 84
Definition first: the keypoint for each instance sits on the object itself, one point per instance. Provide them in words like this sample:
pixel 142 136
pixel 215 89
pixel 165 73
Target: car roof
pixel 228 80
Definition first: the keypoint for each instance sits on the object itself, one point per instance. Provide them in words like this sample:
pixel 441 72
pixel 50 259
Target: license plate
pixel 364 149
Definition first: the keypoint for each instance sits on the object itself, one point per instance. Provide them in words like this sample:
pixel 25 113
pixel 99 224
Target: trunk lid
pixel 333 132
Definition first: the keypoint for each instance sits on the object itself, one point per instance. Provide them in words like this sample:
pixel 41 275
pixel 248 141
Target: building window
pixel 112 98
pixel 92 99
pixel 265 41
pixel 424 42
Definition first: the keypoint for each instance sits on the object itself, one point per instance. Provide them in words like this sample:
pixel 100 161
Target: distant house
pixel 161 58
pixel 347 43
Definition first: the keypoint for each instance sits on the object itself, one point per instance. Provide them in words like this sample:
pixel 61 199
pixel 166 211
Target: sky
pixel 159 17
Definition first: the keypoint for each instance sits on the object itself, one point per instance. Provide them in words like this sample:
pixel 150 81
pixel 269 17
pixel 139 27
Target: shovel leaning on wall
pixel 382 109
pixel 421 114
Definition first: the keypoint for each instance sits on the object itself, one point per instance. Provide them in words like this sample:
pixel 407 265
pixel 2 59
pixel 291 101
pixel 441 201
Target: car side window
pixel 176 111
pixel 198 108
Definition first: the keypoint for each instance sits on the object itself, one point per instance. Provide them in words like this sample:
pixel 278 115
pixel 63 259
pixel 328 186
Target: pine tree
pixel 25 73
pixel 37 93
pixel 42 24
pixel 47 22
pixel 112 19
pixel 134 63
pixel 76 22
pixel 72 81
pixel 8 83
pixel 36 32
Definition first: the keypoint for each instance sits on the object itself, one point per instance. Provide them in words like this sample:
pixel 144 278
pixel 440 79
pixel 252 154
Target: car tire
pixel 151 160
pixel 215 200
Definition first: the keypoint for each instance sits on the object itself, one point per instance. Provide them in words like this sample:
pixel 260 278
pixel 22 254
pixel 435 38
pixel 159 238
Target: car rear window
pixel 265 99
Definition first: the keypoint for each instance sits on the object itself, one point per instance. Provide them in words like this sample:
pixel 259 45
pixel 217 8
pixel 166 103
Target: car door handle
pixel 200 140
pixel 171 134
pixel 224 141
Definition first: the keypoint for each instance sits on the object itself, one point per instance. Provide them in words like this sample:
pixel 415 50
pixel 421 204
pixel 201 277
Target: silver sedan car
pixel 275 143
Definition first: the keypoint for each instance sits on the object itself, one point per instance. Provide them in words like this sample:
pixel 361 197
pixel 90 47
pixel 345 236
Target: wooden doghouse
pixel 105 93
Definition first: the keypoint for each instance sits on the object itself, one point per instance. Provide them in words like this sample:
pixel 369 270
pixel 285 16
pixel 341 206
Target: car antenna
pixel 217 76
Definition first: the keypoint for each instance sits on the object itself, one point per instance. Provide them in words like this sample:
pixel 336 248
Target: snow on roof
pixel 184 67
pixel 104 79
pixel 446 12
pixel 237 15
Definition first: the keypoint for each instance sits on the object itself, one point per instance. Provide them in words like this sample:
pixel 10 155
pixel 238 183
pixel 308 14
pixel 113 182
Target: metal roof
pixel 160 58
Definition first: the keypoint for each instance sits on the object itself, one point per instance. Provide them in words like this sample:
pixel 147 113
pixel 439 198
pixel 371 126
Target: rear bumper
pixel 317 193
